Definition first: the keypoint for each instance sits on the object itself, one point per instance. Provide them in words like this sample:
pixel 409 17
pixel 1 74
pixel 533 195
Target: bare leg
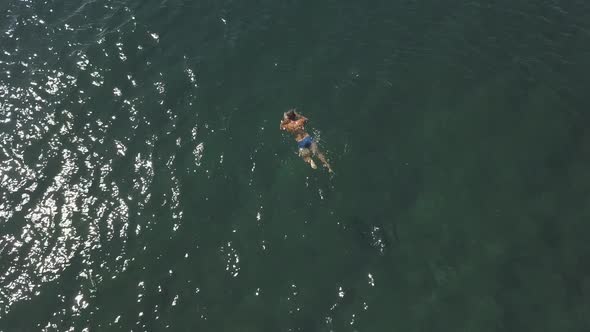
pixel 306 155
pixel 316 151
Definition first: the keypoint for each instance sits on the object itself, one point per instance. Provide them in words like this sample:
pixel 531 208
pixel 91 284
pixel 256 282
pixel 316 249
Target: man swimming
pixel 294 123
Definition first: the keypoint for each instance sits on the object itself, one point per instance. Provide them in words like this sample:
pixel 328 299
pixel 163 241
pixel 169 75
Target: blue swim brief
pixel 305 143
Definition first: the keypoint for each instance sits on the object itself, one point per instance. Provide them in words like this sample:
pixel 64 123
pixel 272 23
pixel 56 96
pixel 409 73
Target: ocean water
pixel 145 185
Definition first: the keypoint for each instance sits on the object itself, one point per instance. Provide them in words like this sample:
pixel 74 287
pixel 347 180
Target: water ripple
pixel 59 197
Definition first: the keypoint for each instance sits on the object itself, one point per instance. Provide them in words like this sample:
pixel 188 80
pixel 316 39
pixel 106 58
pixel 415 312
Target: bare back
pixel 295 127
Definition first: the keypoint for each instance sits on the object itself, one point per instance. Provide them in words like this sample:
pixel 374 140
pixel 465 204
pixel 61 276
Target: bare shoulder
pixel 302 121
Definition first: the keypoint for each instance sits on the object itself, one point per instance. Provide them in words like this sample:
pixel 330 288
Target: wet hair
pixel 291 115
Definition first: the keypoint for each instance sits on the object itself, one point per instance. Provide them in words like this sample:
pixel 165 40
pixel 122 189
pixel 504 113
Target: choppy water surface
pixel 144 183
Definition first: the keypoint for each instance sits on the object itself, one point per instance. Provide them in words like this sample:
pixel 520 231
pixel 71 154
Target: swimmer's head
pixel 291 115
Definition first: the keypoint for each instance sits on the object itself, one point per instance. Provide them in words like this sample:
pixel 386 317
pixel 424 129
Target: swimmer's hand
pixel 300 117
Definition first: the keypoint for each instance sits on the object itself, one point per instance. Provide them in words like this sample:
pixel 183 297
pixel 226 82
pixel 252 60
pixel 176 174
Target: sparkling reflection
pixel 96 154
pixel 61 202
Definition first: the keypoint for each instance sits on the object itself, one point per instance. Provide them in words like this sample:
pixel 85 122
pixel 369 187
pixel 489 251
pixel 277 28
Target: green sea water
pixel 145 184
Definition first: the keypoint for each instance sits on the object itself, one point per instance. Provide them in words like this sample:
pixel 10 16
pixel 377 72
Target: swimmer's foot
pixel 312 164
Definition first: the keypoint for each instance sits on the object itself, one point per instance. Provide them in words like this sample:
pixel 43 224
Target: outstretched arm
pixel 301 117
